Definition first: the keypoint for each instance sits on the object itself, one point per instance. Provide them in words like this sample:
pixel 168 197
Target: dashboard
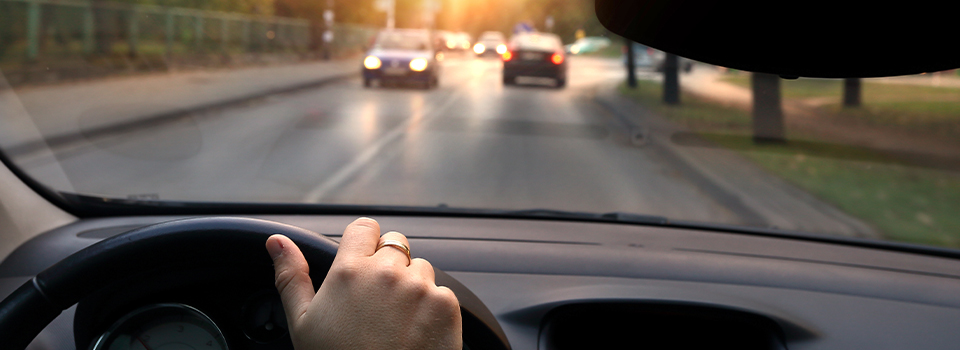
pixel 541 284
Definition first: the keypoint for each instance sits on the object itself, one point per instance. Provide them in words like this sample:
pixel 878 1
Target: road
pixel 471 143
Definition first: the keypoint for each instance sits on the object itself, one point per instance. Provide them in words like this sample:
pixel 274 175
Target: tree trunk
pixel 767 109
pixel 671 80
pixel 851 92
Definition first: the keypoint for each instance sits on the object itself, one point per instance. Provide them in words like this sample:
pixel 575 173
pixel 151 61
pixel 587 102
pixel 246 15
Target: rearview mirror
pixel 815 38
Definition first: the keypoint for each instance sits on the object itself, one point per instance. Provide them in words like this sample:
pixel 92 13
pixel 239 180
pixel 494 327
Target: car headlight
pixel 575 49
pixel 501 48
pixel 371 62
pixel 479 48
pixel 418 64
pixel 451 44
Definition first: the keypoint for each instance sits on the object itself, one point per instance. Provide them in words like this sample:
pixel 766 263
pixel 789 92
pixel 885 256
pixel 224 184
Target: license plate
pixel 531 56
pixel 395 71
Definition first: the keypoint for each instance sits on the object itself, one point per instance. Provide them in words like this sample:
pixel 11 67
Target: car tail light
pixel 507 55
pixel 557 58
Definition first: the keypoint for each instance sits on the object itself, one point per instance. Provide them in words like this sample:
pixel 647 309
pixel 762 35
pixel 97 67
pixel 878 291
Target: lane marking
pixel 342 176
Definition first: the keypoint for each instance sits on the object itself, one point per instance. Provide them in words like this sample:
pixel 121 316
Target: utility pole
pixel 391 14
pixel 631 66
pixel 390 7
pixel 671 80
pixel 327 37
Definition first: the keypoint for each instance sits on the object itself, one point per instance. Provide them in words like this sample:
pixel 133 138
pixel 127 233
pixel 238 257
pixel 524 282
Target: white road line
pixel 342 176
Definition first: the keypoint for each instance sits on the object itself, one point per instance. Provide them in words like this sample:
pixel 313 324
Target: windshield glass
pixel 279 101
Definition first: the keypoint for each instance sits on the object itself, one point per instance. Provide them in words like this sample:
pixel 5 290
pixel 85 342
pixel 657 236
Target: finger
pixel 292 276
pixel 423 268
pixel 360 238
pixel 393 253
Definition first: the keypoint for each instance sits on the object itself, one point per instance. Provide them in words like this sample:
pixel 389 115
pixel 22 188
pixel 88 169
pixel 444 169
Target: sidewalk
pixel 759 198
pixel 66 110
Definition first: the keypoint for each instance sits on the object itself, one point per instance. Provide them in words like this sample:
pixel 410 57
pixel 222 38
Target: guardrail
pixel 32 30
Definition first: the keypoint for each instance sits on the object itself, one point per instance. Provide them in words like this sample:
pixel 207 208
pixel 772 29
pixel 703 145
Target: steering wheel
pixel 29 309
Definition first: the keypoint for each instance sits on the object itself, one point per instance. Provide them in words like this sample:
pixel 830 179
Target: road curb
pixel 164 117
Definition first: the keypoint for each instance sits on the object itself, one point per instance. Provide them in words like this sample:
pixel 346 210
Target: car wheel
pixel 366 83
pixel 561 82
pixel 507 80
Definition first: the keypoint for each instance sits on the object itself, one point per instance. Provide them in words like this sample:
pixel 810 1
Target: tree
pixel 767 109
pixel 671 80
pixel 851 92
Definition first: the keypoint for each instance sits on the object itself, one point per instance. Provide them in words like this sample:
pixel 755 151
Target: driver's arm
pixel 370 299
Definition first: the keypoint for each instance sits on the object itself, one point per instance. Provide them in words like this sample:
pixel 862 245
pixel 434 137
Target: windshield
pixel 277 101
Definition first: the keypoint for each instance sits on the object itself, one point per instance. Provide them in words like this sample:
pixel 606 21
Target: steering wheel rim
pixel 29 309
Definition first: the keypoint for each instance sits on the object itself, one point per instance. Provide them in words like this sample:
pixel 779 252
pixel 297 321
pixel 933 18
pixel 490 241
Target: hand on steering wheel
pixel 373 297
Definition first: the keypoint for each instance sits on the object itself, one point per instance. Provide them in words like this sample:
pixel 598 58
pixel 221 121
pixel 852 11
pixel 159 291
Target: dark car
pixel 535 55
pixel 402 56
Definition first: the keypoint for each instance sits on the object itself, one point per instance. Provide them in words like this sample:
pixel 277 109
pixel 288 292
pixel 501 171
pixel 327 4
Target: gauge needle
pixel 142 343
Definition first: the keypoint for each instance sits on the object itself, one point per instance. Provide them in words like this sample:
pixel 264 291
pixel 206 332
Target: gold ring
pixel 398 245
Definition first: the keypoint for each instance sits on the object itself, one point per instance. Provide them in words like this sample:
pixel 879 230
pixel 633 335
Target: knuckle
pixel 426 265
pixel 347 270
pixel 389 275
pixel 418 288
pixel 446 299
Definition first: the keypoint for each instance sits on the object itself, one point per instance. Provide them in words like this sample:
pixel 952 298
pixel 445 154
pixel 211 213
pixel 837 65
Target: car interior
pixel 79 271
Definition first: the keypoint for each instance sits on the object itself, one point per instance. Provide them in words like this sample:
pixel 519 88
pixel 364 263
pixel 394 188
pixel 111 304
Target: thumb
pixel 292 276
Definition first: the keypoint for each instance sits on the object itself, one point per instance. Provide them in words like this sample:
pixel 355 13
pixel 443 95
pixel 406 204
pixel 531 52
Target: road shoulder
pixel 759 198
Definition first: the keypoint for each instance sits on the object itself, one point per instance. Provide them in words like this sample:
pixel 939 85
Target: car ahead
pixel 647 57
pixel 404 56
pixel 445 40
pixel 535 55
pixel 490 43
pixel 463 41
pixel 588 44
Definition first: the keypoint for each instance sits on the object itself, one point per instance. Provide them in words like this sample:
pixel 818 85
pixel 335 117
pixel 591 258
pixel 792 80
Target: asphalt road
pixel 470 143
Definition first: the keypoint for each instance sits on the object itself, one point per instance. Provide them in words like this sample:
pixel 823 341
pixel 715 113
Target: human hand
pixel 370 299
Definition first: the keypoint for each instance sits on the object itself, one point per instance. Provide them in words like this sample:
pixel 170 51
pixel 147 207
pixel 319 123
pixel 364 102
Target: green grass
pixel 921 109
pixel 904 203
pixel 694 113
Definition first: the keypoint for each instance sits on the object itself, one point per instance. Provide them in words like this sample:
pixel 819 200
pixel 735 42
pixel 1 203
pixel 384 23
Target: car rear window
pixel 536 42
pixel 403 41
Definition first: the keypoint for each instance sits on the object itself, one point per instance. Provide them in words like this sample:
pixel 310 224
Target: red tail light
pixel 507 56
pixel 557 58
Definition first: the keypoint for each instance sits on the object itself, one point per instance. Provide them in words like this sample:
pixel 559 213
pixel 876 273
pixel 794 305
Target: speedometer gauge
pixel 163 327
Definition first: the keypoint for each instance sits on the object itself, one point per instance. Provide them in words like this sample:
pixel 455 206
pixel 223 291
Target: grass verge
pixel 904 203
pixel 924 109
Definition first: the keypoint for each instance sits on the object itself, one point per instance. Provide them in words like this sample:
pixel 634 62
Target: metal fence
pixel 32 30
